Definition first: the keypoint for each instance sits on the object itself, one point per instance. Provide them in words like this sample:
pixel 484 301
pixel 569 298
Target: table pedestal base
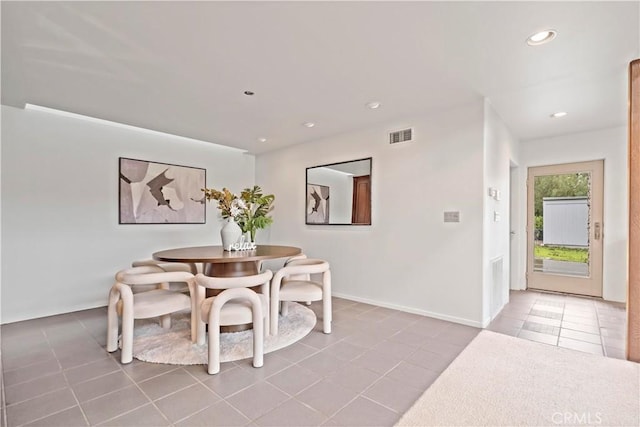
pixel 231 269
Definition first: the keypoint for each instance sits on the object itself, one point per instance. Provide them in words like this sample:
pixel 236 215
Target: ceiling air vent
pixel 404 135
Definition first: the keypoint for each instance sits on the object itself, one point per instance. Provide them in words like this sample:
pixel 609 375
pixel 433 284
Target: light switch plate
pixel 452 216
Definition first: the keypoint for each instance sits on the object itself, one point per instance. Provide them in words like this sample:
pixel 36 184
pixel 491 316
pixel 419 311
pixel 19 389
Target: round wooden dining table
pixel 220 263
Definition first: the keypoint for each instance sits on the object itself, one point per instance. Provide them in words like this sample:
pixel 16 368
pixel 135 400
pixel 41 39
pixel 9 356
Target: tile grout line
pixel 73 393
pixel 153 402
pixel 604 352
pixel 591 311
pixel 591 307
pixel 62 372
pixel 53 391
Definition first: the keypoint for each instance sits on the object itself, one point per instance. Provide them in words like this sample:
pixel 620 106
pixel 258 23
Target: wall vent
pixel 405 135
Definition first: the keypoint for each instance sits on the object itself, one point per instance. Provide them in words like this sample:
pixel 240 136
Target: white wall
pixel 500 149
pixel 607 144
pixel 61 241
pixel 408 258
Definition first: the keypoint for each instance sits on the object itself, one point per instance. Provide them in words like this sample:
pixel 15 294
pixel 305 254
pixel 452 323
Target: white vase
pixel 230 233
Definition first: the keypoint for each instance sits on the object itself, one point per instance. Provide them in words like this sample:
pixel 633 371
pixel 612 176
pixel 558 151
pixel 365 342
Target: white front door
pixel 565 228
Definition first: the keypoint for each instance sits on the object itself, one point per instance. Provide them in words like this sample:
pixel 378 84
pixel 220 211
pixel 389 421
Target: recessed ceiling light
pixel 373 105
pixel 558 114
pixel 262 139
pixel 249 92
pixel 308 124
pixel 541 37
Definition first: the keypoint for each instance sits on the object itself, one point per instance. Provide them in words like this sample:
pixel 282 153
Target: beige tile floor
pixel 373 366
pixel 580 323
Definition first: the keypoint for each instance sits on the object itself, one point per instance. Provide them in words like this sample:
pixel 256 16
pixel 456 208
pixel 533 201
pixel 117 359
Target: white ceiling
pixel 182 67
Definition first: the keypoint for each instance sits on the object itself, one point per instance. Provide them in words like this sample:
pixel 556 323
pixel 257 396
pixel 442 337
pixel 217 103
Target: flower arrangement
pixel 250 210
pixel 228 203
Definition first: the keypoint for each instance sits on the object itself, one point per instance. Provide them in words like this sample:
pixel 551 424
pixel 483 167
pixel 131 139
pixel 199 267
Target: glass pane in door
pixel 561 224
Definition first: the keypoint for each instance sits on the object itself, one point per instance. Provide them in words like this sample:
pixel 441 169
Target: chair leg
pixel 284 308
pixel 266 321
pixel 326 313
pixel 326 302
pixel 213 366
pixel 127 335
pixel 112 328
pixel 266 291
pixel 200 331
pixel 258 341
pixel 274 311
pixel 165 321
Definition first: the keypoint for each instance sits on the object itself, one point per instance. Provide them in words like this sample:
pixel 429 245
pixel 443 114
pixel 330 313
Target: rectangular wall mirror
pixel 339 193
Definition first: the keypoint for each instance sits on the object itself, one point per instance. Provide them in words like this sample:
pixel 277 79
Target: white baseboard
pixel 440 316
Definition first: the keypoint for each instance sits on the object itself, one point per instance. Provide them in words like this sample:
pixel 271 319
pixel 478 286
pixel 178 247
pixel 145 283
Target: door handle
pixel 597 232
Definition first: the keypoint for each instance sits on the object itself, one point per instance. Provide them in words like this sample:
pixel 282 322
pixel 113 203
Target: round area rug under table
pixel 151 343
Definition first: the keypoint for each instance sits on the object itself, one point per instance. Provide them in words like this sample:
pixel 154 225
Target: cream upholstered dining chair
pixel 235 305
pixel 284 307
pixel 297 276
pixel 167 266
pixel 293 282
pixel 158 302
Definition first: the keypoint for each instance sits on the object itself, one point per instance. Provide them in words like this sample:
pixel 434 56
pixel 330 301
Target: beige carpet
pixel 499 380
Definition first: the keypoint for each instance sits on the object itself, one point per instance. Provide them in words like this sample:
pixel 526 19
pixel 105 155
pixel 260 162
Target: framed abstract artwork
pixel 160 193
pixel 317 204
